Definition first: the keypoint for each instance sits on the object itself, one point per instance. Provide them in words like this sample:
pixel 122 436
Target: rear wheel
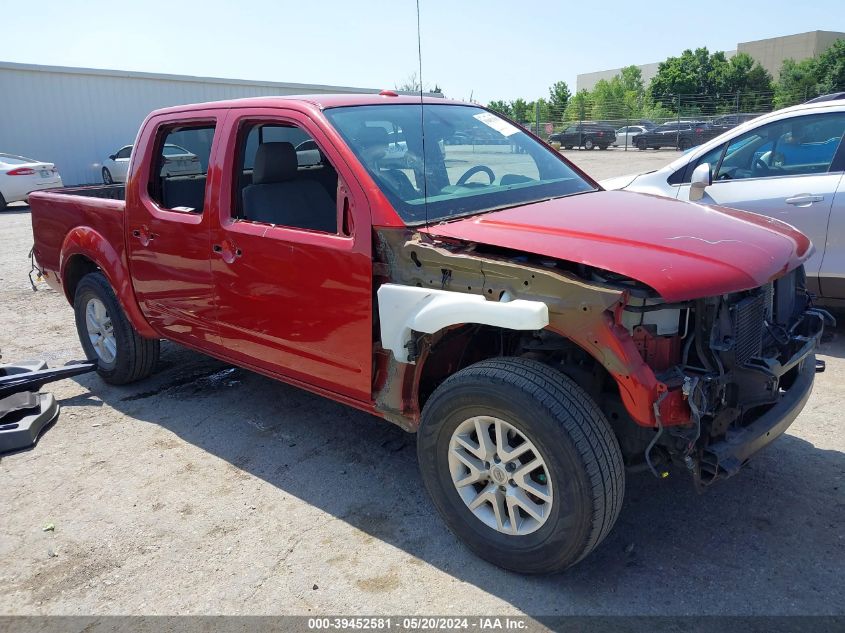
pixel 2 203
pixel 122 355
pixel 588 144
pixel 684 144
pixel 521 464
pixel 641 144
pixel 602 146
pixel 107 178
pixel 569 147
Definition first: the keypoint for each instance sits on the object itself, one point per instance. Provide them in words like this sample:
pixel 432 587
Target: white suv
pixel 787 165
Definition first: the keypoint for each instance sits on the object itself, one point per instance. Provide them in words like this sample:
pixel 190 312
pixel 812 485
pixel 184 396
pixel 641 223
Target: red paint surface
pixel 682 250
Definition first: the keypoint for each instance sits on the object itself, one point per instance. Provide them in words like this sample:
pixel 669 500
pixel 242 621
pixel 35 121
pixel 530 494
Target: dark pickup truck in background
pixel 587 135
pixel 540 335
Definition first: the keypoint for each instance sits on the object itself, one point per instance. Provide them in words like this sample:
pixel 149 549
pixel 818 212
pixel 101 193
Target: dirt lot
pixel 208 489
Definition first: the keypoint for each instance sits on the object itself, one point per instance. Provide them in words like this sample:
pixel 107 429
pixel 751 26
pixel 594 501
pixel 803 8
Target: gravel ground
pixel 207 489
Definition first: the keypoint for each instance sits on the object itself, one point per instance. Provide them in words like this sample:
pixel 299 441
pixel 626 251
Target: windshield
pixel 474 161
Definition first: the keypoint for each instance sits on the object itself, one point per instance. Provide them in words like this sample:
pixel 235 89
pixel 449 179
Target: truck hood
pixel 681 249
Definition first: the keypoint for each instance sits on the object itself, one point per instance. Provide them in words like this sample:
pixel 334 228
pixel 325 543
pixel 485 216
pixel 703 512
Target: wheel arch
pixel 84 251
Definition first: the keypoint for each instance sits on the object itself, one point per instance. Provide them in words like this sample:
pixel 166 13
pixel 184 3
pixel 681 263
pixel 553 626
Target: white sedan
pixel 177 162
pixel 627 133
pixel 788 165
pixel 19 176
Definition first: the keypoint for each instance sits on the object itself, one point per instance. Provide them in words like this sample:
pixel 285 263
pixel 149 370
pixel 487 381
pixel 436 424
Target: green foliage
pixel 502 107
pixel 559 96
pixel 809 78
pixel 519 110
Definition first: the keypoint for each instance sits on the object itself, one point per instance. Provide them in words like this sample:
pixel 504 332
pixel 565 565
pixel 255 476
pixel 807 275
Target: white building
pixel 76 117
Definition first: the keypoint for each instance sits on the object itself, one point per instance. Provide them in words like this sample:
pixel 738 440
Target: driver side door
pixel 792 177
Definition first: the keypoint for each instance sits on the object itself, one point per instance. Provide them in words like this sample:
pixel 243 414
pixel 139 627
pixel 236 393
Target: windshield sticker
pixel 500 125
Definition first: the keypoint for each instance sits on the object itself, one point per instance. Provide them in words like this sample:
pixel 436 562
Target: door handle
pixel 143 235
pixel 227 251
pixel 804 199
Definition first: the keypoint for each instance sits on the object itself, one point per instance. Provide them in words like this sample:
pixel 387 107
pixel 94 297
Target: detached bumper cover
pixel 739 445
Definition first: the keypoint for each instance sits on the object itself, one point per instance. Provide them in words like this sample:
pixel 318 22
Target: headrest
pixel 370 136
pixel 274 162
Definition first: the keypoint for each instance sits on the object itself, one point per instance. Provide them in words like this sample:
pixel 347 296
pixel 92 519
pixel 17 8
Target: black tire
pixel 107 177
pixel 684 144
pixel 571 434
pixel 602 146
pixel 641 144
pixel 588 144
pixel 569 146
pixel 135 356
pixel 2 203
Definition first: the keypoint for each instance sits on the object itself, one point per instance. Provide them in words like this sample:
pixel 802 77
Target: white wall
pixel 76 117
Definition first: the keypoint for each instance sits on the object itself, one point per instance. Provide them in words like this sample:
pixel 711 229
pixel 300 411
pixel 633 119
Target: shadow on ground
pixel 768 541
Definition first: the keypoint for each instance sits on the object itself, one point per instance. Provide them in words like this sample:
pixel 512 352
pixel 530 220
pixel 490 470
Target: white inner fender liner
pixel 402 309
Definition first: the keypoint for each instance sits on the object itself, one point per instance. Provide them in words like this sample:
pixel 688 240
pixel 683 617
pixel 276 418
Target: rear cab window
pixel 179 168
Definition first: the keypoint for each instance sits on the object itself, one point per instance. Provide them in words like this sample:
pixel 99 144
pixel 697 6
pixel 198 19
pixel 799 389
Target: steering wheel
pixel 469 173
pixel 760 165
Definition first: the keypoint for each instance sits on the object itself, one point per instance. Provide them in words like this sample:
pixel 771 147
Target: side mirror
pixel 701 179
pixel 112 156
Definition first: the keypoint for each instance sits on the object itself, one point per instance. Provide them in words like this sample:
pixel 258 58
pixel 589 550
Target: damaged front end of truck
pixel 700 383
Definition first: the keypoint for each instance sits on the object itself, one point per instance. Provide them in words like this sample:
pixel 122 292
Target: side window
pixel 283 178
pixel 684 174
pixel 124 153
pixel 792 147
pixel 178 177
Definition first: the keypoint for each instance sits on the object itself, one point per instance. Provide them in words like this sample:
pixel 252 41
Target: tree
pixel 608 99
pixel 559 96
pixel 501 107
pixel 830 68
pixel 412 84
pixel 580 107
pixel 691 74
pixel 632 80
pixel 798 82
pixel 519 110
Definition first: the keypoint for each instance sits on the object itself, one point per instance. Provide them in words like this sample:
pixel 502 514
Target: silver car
pixel 787 165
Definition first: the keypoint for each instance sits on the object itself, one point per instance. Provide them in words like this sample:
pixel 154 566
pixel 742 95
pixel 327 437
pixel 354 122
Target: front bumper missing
pixel 727 456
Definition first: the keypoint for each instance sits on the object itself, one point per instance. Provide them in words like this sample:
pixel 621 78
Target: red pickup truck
pixel 540 335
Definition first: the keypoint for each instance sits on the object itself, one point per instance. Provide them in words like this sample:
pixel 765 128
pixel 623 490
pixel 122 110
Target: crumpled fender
pixel 85 241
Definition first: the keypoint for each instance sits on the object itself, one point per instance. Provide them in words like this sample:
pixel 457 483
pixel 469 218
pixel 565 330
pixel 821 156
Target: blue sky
pixel 487 49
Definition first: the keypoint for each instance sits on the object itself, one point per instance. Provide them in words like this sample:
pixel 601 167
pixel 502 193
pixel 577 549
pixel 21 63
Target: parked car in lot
pixel 539 334
pixel 587 135
pixel 625 135
pixel 728 121
pixel 179 161
pixel 788 165
pixel 19 176
pixel 676 134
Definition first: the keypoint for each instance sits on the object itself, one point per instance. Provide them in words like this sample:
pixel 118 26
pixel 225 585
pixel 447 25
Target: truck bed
pixel 81 211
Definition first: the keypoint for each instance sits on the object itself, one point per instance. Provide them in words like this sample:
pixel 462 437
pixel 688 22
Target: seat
pixel 278 195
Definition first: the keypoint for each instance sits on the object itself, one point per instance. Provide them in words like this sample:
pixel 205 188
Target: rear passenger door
pixel 292 260
pixel 167 223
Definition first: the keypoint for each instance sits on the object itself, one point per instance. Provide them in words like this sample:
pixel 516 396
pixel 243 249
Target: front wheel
pixel 521 464
pixel 107 177
pixel 641 144
pixel 122 355
pixel 588 144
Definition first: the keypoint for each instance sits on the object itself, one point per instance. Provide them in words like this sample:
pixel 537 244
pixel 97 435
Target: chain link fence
pixel 694 118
